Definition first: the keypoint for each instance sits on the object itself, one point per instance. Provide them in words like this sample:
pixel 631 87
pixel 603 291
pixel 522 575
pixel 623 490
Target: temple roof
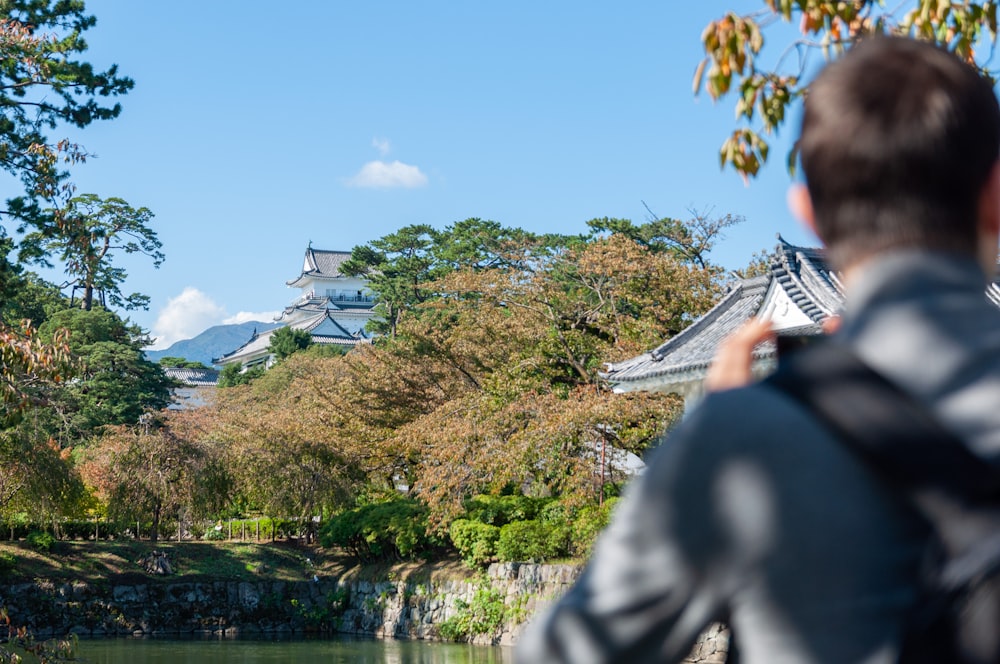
pixel 193 377
pixel 323 328
pixel 797 293
pixel 321 263
pixel 313 304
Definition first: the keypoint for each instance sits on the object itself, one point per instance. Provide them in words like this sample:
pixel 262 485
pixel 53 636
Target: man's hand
pixel 733 360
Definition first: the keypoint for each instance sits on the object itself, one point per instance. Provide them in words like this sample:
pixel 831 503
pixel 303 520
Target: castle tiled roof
pixel 321 263
pixel 802 276
pixel 323 328
pixel 258 343
pixel 193 377
pixel 310 304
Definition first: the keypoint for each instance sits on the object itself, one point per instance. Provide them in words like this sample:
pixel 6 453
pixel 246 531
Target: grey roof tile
pixel 800 271
pixel 193 377
pixel 321 263
pixel 261 342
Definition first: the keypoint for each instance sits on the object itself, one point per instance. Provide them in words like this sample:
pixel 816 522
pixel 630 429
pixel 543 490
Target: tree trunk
pixel 154 529
pixel 87 301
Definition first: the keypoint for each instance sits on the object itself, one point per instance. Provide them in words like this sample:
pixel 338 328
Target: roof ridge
pixel 735 294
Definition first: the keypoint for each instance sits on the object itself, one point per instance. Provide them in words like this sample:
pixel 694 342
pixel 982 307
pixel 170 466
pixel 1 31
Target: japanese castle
pixel 332 307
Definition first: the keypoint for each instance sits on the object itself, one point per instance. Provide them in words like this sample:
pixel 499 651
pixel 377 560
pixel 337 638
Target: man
pixel 753 513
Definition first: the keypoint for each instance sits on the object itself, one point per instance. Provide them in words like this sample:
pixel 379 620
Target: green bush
pixel 8 561
pixel 215 534
pixel 380 531
pixel 486 614
pixel 75 530
pixel 40 540
pixel 501 510
pixel 476 542
pixel 587 525
pixel 531 541
pixel 17 525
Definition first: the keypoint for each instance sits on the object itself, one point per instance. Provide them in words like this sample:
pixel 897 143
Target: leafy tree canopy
pixel 180 363
pixel 115 383
pixel 91 232
pixel 234 374
pixel 34 299
pixel 44 84
pixel 287 340
pixel 157 469
pixel 734 48
pixel 688 241
pixel 29 367
pixel 396 266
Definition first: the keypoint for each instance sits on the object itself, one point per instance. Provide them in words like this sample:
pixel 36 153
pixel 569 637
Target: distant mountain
pixel 213 342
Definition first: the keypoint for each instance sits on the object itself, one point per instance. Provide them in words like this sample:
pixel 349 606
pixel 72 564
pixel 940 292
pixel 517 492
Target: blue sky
pixel 255 128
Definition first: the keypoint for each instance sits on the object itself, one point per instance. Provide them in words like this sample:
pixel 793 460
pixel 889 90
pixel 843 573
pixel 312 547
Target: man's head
pixel 899 142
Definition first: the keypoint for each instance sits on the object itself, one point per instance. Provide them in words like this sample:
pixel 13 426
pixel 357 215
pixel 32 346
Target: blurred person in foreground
pixel 751 512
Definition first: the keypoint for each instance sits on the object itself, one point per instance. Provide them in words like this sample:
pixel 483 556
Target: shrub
pixel 195 530
pixel 284 528
pixel 379 531
pixel 8 561
pixel 501 510
pixel 587 525
pixel 76 529
pixel 40 540
pixel 215 534
pixel 476 542
pixel 531 541
pixel 484 615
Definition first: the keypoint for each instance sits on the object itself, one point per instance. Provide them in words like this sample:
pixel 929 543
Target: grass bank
pixel 117 562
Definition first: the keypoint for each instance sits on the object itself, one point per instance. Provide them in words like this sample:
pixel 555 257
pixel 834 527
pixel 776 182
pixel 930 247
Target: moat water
pixel 331 650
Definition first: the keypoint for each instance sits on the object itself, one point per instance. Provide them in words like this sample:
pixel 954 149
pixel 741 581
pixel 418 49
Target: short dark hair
pixel 898 139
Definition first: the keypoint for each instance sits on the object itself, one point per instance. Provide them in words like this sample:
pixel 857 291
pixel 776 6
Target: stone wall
pixel 396 609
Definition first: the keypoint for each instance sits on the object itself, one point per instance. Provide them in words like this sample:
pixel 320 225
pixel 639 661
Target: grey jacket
pixel 750 512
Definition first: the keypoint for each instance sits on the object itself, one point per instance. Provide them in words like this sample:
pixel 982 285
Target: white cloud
pixel 185 316
pixel 247 316
pixel 191 313
pixel 382 175
pixel 382 145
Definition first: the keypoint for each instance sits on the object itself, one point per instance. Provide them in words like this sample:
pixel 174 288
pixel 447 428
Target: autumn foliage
pixel 491 384
pixel 765 88
pixel 488 385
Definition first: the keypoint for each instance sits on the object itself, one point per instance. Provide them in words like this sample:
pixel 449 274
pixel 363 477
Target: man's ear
pixel 801 207
pixel 989 203
pixel 989 221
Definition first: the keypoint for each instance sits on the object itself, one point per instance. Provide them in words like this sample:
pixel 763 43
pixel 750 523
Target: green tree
pixel 171 362
pixel 36 478
pixel 397 268
pixel 287 340
pixel 156 470
pixel 734 48
pixel 402 266
pixel 687 241
pixel 115 384
pixel 44 85
pixel 91 231
pixel 234 374
pixel 477 244
pixel 34 299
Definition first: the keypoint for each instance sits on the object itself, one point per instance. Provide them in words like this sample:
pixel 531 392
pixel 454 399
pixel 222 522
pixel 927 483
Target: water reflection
pixel 249 651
